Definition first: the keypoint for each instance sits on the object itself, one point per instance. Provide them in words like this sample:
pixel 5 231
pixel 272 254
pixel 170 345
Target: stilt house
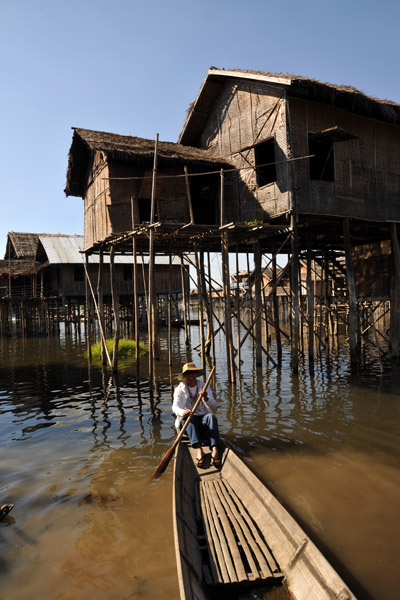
pixel 113 174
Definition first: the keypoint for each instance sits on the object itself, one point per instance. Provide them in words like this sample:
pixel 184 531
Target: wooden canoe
pixel 232 535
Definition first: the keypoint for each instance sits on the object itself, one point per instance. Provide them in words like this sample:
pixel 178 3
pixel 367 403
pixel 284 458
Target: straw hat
pixel 189 368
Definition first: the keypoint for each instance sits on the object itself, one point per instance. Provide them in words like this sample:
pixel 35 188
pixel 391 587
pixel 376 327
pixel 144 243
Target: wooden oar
pixel 169 453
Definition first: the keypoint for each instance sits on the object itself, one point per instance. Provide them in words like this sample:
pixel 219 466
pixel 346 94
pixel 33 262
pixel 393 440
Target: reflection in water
pixel 78 448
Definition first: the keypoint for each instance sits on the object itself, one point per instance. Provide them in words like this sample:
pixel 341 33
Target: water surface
pixel 77 451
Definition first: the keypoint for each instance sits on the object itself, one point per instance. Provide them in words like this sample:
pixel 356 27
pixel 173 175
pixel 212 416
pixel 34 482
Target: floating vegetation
pixel 126 349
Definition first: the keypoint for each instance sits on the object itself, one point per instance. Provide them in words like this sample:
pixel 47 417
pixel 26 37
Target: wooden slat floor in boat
pixel 237 549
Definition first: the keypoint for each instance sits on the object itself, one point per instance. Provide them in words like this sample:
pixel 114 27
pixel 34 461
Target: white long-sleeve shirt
pixel 185 397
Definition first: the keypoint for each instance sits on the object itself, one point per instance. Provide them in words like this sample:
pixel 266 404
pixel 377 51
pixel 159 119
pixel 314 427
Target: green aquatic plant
pixel 126 349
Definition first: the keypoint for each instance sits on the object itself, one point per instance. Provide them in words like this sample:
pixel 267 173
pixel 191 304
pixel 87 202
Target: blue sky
pixel 134 67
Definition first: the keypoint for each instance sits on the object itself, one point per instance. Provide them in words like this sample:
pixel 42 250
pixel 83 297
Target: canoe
pixel 232 536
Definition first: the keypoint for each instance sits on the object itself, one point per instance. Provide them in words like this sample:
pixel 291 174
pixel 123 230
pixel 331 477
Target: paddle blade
pixel 163 464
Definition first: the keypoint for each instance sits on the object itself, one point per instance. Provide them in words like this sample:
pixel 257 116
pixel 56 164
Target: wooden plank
pixel 273 567
pixel 252 542
pixel 233 559
pixel 239 527
pixel 214 546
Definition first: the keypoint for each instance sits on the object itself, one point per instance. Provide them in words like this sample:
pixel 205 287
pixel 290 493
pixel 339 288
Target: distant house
pixel 18 270
pixel 52 266
pixel 246 281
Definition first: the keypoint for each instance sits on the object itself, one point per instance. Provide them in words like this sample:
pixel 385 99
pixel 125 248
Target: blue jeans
pixel 201 426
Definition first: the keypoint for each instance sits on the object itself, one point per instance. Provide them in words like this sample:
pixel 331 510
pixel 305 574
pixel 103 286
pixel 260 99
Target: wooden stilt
pixel 238 312
pixel 185 304
pixel 207 304
pixel 169 320
pixel 87 312
pixel 276 309
pixel 100 302
pixel 136 299
pixel 351 288
pixel 395 295
pixel 153 353
pixel 257 301
pixel 115 306
pixel 310 303
pixel 201 311
pixel 210 287
pixel 227 299
pixel 295 297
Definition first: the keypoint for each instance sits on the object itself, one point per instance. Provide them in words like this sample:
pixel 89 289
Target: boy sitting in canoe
pixel 203 420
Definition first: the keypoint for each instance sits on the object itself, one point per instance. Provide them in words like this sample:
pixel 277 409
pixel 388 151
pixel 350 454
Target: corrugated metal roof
pixel 67 249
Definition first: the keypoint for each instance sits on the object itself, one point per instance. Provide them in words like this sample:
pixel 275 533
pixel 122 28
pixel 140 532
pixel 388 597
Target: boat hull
pixel 231 532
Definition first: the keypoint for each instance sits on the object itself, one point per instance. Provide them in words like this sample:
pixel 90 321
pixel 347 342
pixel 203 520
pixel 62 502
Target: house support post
pixel 170 311
pixel 295 312
pixel 395 296
pixel 238 312
pixel 207 302
pixel 310 304
pixel 351 288
pixel 257 301
pixel 135 292
pixel 87 311
pixel 201 310
pixel 276 308
pixel 153 353
pixel 228 317
pixel 115 306
pixel 210 287
pixel 185 298
pixel 100 304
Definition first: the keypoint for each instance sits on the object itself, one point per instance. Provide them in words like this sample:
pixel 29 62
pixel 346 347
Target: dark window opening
pixel 79 273
pixel 145 210
pixel 205 191
pixel 322 163
pixel 128 272
pixel 264 156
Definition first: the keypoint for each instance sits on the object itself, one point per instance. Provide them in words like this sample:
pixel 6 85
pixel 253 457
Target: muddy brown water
pixel 77 452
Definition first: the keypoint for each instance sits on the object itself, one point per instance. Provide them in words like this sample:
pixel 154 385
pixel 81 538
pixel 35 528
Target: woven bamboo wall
pixel 246 114
pixel 367 169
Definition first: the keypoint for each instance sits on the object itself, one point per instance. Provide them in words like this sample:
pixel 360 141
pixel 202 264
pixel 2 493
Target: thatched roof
pixel 342 96
pixel 23 245
pixel 130 149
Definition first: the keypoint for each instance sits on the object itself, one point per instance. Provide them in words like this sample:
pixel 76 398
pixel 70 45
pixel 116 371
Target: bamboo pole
pixel 395 295
pixel 151 303
pixel 227 298
pixel 98 315
pixel 295 297
pixel 135 293
pixel 207 302
pixel 354 349
pixel 257 301
pixel 238 311
pixel 100 302
pixel 115 306
pixel 170 311
pixel 201 311
pixel 310 303
pixel 210 288
pixel 185 303
pixel 276 308
pixel 87 312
